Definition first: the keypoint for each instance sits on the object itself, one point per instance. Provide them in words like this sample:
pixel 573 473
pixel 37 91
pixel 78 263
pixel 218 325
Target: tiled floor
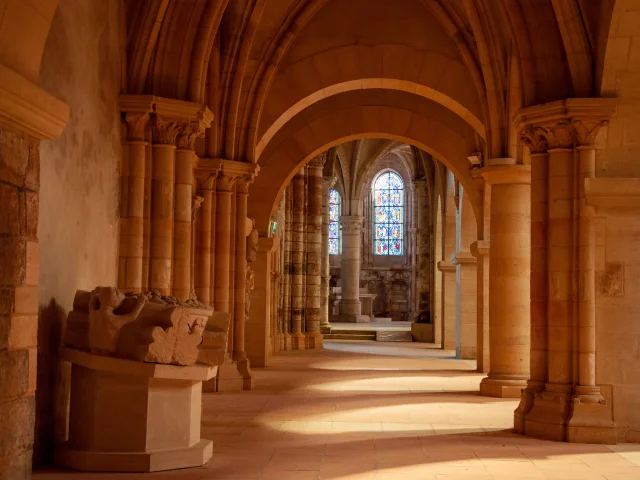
pixel 365 411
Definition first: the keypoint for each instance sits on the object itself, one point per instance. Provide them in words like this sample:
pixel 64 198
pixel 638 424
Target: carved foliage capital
pixel 187 134
pixel 586 131
pixel 225 182
pixel 535 139
pixel 351 225
pixel 165 131
pixel 319 160
pixel 136 125
pixel 243 182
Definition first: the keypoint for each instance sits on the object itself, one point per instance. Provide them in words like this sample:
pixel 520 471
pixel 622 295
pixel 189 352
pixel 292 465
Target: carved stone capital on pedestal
pixel 351 224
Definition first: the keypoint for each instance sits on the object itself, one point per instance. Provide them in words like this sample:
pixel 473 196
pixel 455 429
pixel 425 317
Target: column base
pixel 244 369
pixel 547 418
pixel 525 406
pixel 502 387
pixel 325 328
pixel 142 462
pixel 592 419
pixel 314 341
pixel 232 377
pixel 298 341
pixel 287 345
pixel 352 318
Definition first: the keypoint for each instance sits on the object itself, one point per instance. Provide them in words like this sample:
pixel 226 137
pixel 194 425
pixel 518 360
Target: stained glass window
pixel 388 214
pixel 335 234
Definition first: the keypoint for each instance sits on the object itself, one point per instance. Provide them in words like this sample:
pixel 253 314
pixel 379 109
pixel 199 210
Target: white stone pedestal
pixel 130 416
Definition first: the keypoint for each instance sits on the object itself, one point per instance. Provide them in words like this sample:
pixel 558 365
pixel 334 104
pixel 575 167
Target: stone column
pixel 162 204
pixel 592 419
pixel 203 243
pixel 297 260
pixel 185 159
pixel 207 172
pixel 466 304
pixel 539 241
pixel 221 285
pixel 327 185
pixel 240 280
pixel 288 233
pixel 314 252
pixel 449 330
pixel 257 335
pixel 350 307
pixel 480 250
pixel 509 291
pixel 422 266
pixel 132 203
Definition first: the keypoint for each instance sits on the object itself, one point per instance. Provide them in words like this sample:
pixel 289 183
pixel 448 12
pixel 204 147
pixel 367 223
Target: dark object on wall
pixel 424 317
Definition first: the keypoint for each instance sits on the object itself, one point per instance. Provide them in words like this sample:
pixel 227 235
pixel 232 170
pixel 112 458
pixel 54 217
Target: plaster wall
pixel 80 182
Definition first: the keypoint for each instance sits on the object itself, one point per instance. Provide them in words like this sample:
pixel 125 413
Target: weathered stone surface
pixel 14 372
pixel 147 327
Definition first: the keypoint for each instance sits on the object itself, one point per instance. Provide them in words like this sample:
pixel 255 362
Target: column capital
pixel 172 120
pixel 352 224
pixel 207 171
pixel 318 161
pixel 328 183
pixel 239 173
pixel 480 248
pixel 505 174
pixel 566 123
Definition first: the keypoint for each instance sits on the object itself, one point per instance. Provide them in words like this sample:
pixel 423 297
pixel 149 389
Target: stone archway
pixel 394 115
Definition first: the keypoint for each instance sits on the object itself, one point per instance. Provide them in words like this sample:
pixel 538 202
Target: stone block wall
pixel 618 325
pixel 19 187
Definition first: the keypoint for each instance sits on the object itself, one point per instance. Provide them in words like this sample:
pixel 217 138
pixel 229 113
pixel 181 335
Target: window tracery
pixel 335 234
pixel 388 214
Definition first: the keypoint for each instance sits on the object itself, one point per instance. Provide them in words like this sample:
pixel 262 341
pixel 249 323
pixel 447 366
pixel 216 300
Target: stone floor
pixel 377 411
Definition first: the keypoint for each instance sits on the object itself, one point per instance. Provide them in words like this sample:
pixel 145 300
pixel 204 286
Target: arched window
pixel 388 214
pixel 335 234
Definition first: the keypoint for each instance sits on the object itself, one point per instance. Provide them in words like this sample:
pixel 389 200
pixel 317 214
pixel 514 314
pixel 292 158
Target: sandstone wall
pixel 78 226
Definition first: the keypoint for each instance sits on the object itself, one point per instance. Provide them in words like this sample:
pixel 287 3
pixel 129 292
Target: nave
pixel 377 411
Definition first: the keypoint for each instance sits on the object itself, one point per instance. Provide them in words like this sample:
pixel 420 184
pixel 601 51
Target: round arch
pixel 363 114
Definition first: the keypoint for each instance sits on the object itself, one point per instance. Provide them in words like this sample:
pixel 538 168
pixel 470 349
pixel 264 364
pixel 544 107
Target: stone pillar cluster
pixel 304 261
pixel 562 400
pixel 184 222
